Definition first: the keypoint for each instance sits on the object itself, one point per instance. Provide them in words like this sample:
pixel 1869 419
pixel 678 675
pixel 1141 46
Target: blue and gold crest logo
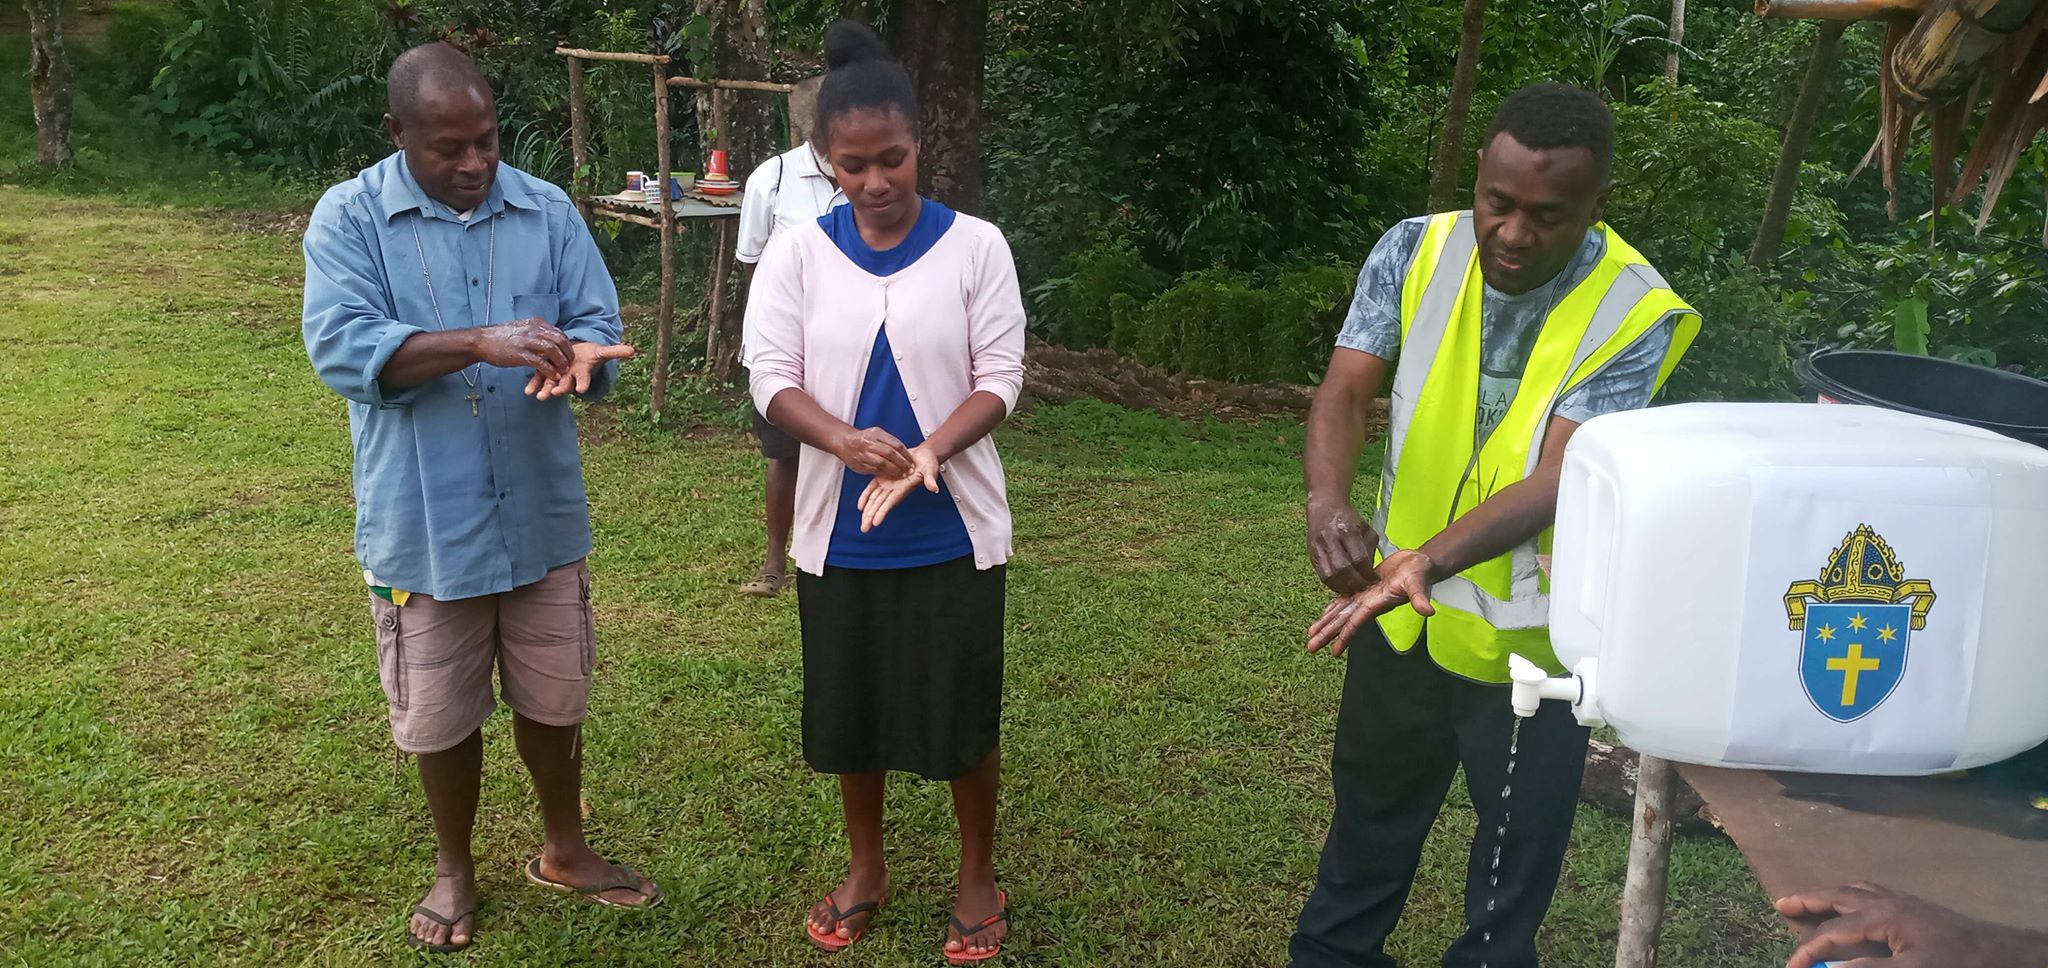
pixel 1857 619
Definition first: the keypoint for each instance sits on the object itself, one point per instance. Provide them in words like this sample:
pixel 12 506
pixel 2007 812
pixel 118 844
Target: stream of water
pixel 1500 832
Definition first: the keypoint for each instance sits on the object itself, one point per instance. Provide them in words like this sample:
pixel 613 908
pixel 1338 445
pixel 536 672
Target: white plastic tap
pixel 1532 686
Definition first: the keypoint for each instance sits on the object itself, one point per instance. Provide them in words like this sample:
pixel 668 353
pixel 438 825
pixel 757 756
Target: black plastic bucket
pixel 1998 401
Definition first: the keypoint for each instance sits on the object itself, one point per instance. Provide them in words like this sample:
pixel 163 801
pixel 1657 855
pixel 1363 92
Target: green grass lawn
pixel 195 769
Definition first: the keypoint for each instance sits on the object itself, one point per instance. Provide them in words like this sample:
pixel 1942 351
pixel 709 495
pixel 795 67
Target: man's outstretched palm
pixel 584 360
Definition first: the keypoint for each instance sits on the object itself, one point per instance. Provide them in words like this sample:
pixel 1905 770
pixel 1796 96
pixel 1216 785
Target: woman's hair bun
pixel 865 76
pixel 850 42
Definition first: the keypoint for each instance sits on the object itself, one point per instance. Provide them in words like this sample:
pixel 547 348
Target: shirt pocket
pixel 544 306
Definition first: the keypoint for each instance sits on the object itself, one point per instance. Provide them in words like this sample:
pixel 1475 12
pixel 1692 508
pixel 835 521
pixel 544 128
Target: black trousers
pixel 1404 728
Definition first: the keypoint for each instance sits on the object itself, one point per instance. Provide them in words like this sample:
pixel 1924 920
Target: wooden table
pixel 639 211
pixel 1968 844
pixel 1971 844
pixel 693 205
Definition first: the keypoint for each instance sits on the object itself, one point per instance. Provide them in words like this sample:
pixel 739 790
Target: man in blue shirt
pixel 456 303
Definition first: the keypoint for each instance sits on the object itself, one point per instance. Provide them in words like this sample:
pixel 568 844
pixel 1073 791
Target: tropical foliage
pixel 1194 182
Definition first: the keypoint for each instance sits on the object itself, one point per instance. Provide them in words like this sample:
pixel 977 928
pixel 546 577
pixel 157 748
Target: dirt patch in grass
pixel 256 221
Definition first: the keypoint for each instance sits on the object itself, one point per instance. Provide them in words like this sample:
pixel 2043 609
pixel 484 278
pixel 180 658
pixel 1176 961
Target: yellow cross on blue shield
pixel 1853 656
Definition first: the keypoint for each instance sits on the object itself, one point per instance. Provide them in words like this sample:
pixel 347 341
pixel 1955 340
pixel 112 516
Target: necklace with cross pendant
pixel 490 283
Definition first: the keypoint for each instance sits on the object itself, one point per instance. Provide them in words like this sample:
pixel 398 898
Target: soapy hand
pixel 1405 578
pixel 1919 934
pixel 1340 545
pixel 884 493
pixel 524 342
pixel 875 452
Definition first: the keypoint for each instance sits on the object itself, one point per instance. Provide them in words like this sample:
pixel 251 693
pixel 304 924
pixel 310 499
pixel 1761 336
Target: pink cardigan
pixel 956 325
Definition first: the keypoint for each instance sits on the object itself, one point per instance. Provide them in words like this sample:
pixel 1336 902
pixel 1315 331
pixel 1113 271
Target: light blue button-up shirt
pixel 451 504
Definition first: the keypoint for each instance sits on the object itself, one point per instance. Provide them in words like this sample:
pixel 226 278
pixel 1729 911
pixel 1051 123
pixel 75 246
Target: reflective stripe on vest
pixel 1435 470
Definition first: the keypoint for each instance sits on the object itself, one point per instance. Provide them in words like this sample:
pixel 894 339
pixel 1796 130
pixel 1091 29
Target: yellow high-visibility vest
pixel 1433 476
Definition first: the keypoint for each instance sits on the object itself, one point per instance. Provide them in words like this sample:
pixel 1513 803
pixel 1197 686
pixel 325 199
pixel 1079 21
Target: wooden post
pixel 1450 153
pixel 666 318
pixel 1771 234
pixel 1649 865
pixel 579 138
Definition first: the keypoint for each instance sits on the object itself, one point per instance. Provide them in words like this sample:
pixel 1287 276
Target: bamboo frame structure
pixel 768 86
pixel 667 223
pixel 612 55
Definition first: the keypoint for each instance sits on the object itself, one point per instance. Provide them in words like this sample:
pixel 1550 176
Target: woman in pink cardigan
pixel 890 341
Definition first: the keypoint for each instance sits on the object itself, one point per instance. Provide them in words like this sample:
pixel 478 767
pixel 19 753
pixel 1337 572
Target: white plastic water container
pixel 1833 589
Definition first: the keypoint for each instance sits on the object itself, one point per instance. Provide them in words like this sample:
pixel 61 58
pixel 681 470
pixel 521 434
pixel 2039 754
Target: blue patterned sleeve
pixel 1627 383
pixel 1373 324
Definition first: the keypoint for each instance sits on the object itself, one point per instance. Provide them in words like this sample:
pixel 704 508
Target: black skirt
pixel 903 668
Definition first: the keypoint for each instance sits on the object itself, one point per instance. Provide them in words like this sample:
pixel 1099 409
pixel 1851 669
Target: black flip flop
pixel 628 879
pixel 412 940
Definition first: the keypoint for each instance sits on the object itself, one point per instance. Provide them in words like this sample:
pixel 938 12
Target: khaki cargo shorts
pixel 435 657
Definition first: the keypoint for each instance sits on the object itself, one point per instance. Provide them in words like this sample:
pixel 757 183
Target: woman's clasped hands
pixel 897 470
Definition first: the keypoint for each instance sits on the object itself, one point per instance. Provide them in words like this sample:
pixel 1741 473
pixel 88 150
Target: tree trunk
pixel 746 129
pixel 1450 153
pixel 49 83
pixel 1677 38
pixel 1771 234
pixel 942 43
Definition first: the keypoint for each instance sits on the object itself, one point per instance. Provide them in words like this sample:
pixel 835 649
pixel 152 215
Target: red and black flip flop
pixel 962 957
pixel 830 940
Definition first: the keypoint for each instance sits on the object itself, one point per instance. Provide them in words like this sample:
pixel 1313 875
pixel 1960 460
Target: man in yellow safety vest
pixel 1512 324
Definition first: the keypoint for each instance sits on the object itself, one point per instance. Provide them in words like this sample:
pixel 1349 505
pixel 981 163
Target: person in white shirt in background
pixel 788 190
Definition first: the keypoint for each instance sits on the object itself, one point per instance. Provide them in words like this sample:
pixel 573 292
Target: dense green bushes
pixel 1195 181
pixel 128 59
pixel 1750 334
pixel 284 83
pixel 300 83
pixel 1218 322
pixel 1235 326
